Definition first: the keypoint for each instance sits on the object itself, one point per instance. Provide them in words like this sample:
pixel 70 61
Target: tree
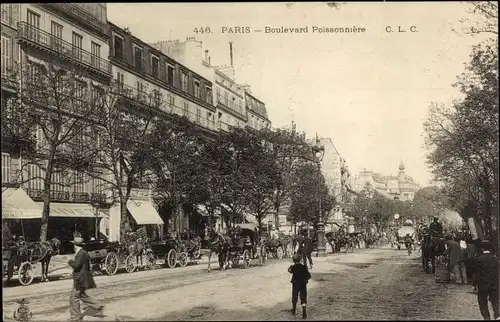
pixel 262 176
pixel 485 19
pixel 177 163
pixel 56 104
pixel 372 208
pixel 309 193
pixel 429 202
pixel 123 140
pixel 288 147
pixel 462 139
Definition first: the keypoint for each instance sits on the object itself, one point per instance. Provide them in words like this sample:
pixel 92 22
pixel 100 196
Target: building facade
pixel 401 187
pixel 229 98
pixel 146 74
pixel 70 37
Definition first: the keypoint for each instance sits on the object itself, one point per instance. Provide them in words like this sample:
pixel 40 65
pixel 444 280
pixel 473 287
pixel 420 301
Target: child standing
pixel 300 277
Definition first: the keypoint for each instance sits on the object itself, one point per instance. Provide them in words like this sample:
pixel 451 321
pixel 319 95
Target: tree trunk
pixel 46 200
pixel 259 223
pixel 123 217
pixel 277 216
pixel 45 214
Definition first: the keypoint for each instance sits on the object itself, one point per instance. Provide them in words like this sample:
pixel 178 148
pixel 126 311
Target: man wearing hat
pixel 82 281
pixel 486 279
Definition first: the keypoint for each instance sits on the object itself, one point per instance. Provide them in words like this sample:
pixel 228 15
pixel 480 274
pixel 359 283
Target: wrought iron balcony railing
pixel 76 12
pixel 156 100
pixel 84 197
pixel 62 47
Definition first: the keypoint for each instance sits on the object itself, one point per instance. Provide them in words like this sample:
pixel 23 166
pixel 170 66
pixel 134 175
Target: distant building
pixel 401 187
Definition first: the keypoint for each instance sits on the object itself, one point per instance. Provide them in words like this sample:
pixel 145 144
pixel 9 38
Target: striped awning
pixel 74 210
pixel 144 212
pixel 16 204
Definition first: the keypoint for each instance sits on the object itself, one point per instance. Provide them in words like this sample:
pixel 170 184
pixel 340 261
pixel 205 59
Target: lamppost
pixel 319 152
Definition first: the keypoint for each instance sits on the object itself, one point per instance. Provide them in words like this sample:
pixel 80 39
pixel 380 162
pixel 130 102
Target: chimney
pixel 231 52
pixel 206 55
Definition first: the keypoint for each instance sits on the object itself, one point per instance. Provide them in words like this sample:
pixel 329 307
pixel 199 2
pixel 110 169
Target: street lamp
pixel 319 152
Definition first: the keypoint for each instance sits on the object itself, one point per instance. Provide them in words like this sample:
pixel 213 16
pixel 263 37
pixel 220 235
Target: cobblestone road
pixel 365 285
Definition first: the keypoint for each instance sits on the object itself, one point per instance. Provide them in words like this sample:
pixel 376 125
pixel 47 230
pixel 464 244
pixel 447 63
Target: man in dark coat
pixel 456 261
pixel 306 248
pixel 300 277
pixel 486 279
pixel 435 228
pixel 82 281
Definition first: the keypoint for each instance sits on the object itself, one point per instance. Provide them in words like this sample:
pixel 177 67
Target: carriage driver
pixel 435 228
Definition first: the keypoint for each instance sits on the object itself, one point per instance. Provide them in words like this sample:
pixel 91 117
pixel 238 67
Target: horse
pixel 48 249
pixel 432 248
pixel 218 244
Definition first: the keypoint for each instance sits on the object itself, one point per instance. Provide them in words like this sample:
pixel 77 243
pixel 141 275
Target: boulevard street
pixel 366 285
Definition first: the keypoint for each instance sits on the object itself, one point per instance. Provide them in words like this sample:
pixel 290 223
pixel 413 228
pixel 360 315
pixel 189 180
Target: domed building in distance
pixel 401 187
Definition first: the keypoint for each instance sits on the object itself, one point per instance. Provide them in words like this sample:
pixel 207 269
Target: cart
pixel 21 258
pixel 169 252
pixel 246 247
pixel 108 256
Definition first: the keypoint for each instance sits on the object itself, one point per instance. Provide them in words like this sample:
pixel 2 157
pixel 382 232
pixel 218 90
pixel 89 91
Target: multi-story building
pixel 73 36
pixel 229 98
pixel 401 187
pixel 145 72
pixel 256 111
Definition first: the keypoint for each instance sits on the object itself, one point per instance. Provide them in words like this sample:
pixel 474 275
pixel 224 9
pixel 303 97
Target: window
pixel 36 175
pixel 219 97
pixel 186 109
pixel 56 36
pixel 5 160
pixel 98 185
pixel 231 102
pixel 7 14
pixel 238 104
pixel 208 95
pixel 198 115
pixel 58 182
pixel 33 20
pixel 140 90
pixel 79 178
pixel 6 53
pixel 77 45
pixel 226 98
pixel 155 66
pixel 138 57
pixel 41 142
pixel 120 79
pixel 118 47
pixel 171 100
pixel 184 82
pixel 79 94
pixel 196 89
pixel 170 74
pixel 95 54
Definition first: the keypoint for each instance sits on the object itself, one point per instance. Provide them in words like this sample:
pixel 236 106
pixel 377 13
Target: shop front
pixel 141 211
pixel 21 213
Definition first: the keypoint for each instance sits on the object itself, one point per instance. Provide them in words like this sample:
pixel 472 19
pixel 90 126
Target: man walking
pixel 486 279
pixel 456 261
pixel 82 281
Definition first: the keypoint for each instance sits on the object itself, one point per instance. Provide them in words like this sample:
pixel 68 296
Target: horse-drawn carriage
pixel 246 246
pixel 171 252
pixel 339 240
pixel 22 257
pixel 278 247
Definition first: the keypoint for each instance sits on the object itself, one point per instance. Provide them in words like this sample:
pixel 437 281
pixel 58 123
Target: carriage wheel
pixel 130 264
pixel 111 263
pixel 183 259
pixel 245 259
pixel 150 260
pixel 279 252
pixel 26 273
pixel 171 258
pixel 263 255
pixel 197 255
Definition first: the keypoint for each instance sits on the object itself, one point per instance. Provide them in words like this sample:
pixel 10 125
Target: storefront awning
pixel 16 204
pixel 251 219
pixel 74 210
pixel 144 212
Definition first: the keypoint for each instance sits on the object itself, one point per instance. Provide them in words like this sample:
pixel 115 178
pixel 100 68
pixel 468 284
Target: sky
pixel 369 92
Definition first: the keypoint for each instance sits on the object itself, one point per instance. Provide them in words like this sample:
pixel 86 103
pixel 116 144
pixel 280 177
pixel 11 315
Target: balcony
pixel 81 197
pixel 76 13
pixel 46 41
